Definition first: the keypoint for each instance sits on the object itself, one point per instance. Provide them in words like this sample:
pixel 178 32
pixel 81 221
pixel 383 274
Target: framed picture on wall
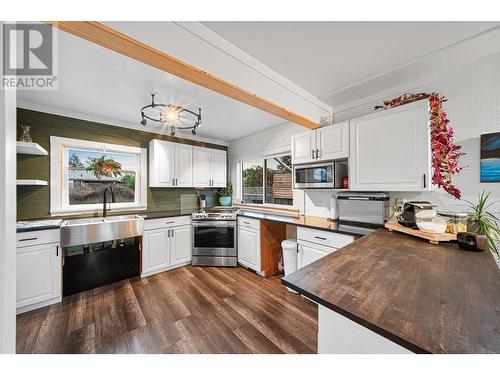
pixel 490 157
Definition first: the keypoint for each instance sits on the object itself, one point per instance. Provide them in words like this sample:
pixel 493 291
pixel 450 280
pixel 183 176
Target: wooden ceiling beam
pixel 110 38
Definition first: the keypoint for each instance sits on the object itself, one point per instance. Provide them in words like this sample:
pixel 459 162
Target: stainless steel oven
pixel 318 175
pixel 215 243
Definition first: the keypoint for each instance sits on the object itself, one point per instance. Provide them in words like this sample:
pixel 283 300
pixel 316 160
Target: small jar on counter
pixel 457 221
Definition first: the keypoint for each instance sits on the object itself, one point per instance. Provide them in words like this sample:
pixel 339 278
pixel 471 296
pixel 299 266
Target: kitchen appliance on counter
pixel 327 175
pixel 362 207
pixel 214 238
pixel 407 217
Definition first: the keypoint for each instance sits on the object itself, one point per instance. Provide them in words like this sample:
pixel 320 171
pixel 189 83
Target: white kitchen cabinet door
pixel 156 250
pixel 183 165
pixel 181 245
pixel 311 253
pixel 332 142
pixel 161 163
pixel 390 150
pixel 218 168
pixel 38 275
pixel 249 248
pixel 201 167
pixel 303 146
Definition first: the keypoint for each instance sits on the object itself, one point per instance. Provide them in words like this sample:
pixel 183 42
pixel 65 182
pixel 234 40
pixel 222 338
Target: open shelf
pixel 31 182
pixel 30 148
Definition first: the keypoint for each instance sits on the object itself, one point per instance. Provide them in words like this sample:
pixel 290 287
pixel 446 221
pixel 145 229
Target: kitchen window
pixel 81 170
pixel 267 181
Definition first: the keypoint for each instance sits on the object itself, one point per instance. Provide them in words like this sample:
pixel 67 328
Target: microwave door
pixel 314 176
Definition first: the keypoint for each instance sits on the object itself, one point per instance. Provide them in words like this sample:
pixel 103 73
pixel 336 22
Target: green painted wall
pixel 33 202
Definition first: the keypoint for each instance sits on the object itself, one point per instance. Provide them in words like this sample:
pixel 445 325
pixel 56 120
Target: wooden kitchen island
pixel 392 293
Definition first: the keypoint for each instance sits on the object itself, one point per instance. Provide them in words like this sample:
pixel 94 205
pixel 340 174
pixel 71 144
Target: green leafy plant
pixel 129 180
pixel 102 167
pixel 485 222
pixel 227 191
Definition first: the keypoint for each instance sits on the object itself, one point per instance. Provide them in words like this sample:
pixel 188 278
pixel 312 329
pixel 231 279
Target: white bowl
pixel 435 226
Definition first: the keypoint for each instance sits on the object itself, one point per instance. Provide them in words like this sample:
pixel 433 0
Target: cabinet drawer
pixel 324 238
pixel 37 237
pixel 249 223
pixel 166 222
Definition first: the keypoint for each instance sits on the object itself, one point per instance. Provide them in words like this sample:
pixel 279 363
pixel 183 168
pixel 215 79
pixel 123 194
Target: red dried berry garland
pixel 445 153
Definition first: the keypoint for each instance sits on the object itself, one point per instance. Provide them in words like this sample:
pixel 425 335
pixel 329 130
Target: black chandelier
pixel 169 114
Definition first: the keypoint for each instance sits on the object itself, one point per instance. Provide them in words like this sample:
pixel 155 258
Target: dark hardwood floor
pixel 186 310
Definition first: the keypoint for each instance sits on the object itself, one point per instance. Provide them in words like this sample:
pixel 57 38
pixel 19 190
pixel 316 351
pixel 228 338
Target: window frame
pixel 264 177
pixel 59 184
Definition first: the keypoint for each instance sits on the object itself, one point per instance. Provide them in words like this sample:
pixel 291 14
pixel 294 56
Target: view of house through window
pixel 276 182
pixel 89 172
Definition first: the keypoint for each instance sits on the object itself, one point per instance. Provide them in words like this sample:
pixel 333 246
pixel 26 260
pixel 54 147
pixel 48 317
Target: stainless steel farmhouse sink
pixel 91 230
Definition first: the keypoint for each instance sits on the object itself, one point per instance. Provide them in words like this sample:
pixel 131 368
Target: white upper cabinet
pixel 201 166
pixel 302 147
pixel 327 143
pixel 161 163
pixel 183 165
pixel 209 167
pixel 179 165
pixel 332 142
pixel 218 168
pixel 390 150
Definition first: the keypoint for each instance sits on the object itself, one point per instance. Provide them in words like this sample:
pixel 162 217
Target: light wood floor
pixel 187 310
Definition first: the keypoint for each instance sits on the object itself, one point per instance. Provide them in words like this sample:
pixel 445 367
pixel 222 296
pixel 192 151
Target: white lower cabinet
pixel 249 243
pixel 165 247
pixel 181 245
pixel 314 244
pixel 340 335
pixel 310 253
pixel 156 251
pixel 38 270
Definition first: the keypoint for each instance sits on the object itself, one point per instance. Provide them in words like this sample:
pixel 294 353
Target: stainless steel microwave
pixel 320 175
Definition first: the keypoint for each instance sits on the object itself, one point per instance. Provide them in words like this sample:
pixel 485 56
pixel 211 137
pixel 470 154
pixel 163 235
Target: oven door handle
pixel 214 223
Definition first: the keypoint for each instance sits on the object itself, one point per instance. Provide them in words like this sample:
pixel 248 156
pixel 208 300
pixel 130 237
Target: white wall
pixel 7 221
pixel 473 108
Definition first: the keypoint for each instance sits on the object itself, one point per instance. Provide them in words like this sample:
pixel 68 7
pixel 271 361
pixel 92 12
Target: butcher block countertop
pixel 353 229
pixel 427 298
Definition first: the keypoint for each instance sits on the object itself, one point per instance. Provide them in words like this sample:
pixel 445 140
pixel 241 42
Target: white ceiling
pixel 330 58
pixel 339 62
pixel 100 85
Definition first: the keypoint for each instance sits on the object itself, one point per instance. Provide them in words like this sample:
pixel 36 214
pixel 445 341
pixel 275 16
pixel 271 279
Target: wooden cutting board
pixel 431 237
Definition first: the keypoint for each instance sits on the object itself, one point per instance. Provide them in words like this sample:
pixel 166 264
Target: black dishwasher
pixel 89 266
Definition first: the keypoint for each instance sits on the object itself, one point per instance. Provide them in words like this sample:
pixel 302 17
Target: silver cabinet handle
pixel 173 181
pixel 173 231
pixel 170 222
pixel 176 182
pixel 319 154
pixel 312 152
pixel 425 181
pixel 168 233
pixel 320 238
pixel 57 250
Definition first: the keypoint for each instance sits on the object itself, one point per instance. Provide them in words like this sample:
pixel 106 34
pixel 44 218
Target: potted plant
pixel 484 222
pixel 225 195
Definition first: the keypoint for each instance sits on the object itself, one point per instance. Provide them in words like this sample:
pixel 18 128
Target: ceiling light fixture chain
pixel 170 114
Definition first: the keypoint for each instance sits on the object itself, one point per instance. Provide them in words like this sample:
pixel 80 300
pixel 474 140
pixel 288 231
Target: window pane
pixel 252 178
pixel 279 180
pixel 89 172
